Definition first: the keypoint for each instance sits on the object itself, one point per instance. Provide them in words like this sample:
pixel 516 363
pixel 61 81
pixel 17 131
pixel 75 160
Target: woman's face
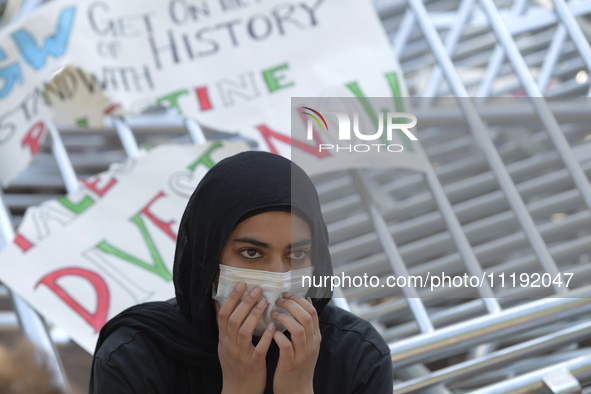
pixel 274 241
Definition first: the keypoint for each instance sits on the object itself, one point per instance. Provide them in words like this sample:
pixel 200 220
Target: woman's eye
pixel 250 253
pixel 298 255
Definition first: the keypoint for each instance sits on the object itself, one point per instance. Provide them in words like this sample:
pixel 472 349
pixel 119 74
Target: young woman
pixel 253 218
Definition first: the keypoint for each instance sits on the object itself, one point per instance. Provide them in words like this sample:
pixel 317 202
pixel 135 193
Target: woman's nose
pixel 279 264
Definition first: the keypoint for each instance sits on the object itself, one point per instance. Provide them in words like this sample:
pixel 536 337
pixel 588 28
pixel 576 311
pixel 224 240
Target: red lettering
pixel 112 108
pixel 96 319
pixel 268 134
pixel 203 97
pixel 22 242
pixel 94 186
pixel 164 226
pixel 33 136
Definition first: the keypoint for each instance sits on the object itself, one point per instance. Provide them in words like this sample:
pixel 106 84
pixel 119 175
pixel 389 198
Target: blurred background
pixel 515 198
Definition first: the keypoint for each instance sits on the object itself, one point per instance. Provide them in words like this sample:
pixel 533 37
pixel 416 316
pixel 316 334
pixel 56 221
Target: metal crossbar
pixel 505 45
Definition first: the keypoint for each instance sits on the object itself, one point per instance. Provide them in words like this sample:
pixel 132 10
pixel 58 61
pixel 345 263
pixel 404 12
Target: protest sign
pixel 232 65
pixel 81 259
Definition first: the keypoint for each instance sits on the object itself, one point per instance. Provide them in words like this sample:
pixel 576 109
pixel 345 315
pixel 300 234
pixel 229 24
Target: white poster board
pixel 233 65
pixel 85 257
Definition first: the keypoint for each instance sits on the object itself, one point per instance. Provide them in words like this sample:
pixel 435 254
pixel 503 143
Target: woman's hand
pixel 297 358
pixel 243 364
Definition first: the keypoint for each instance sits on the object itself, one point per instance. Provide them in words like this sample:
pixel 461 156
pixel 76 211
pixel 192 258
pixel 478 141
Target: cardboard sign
pixel 232 65
pixel 83 258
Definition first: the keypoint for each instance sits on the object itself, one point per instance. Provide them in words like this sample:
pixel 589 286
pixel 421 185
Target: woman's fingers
pixel 260 351
pixel 243 366
pixel 297 331
pixel 245 331
pixel 237 320
pixel 306 314
pixel 241 312
pixel 284 344
pixel 225 311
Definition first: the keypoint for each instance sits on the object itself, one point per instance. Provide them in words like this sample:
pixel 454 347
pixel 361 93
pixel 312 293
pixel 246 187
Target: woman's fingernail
pixel 262 303
pixel 279 301
pixel 274 314
pixel 256 292
pixel 240 287
pixel 286 295
pixel 310 300
pixel 271 326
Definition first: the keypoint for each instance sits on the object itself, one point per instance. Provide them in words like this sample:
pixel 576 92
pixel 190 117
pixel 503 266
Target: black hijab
pixel 235 188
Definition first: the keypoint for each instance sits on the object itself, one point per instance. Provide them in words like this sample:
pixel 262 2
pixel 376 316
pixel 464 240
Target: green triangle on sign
pixel 82 122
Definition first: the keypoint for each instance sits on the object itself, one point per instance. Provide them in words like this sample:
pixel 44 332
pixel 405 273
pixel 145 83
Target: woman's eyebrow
pixel 253 242
pixel 299 243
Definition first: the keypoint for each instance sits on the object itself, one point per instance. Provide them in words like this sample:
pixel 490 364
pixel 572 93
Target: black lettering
pixel 245 88
pixel 93 22
pixel 267 27
pixel 145 75
pixel 214 45
pixel 157 50
pixel 282 14
pixel 30 105
pixel 230 26
pixel 312 11
pixel 126 78
pixel 123 75
pixel 188 46
pixel 196 11
pixel 52 90
pixel 127 26
pixel 178 11
pixel 7 129
pixel 148 23
pixel 89 81
pixel 230 4
pixel 109 79
pixel 63 86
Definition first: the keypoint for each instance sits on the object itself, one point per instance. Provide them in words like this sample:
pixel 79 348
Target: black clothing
pixel 249 182
pixel 353 358
pixel 161 348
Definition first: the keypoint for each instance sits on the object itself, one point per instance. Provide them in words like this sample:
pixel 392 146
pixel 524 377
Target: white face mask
pixel 273 284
